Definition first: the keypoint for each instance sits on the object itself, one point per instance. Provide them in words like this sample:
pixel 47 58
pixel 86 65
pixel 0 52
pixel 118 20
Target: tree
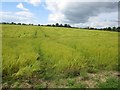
pixel 53 25
pixel 65 25
pixel 38 24
pixel 114 29
pixel 109 28
pixel 57 24
pixel 19 23
pixel 91 28
pixel 61 25
pixel 31 24
pixel 68 26
pixel 23 24
pixel 3 22
pixel 104 28
pixel 118 29
pixel 12 22
pixel 48 25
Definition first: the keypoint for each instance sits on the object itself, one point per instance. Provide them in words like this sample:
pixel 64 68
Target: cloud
pixel 76 12
pixel 20 6
pixel 59 17
pixel 34 2
pixel 101 21
pixel 81 12
pixel 65 0
pixel 18 17
pixel 25 14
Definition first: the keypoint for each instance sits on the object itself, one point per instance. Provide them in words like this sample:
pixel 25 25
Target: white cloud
pixel 101 21
pixel 56 17
pixel 104 20
pixel 77 12
pixel 25 14
pixel 20 6
pixel 34 2
pixel 18 17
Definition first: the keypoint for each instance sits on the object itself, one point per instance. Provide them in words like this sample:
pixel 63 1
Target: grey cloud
pixel 79 12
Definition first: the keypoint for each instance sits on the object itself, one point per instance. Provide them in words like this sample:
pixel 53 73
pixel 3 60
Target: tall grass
pixel 54 51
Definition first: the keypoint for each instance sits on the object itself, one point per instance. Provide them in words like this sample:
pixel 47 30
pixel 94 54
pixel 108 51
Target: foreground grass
pixel 52 53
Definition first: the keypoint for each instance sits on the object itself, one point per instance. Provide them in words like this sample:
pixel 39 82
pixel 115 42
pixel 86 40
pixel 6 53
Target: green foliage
pixel 16 85
pixel 71 83
pixel 84 75
pixel 110 83
pixel 38 87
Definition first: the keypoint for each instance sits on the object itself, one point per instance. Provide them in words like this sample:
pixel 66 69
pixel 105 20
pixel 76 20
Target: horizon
pixel 13 23
pixel 77 14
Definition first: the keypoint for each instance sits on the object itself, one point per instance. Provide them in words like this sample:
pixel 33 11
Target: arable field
pixel 47 57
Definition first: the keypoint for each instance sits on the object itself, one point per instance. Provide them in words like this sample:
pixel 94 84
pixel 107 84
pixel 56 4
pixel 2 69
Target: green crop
pixel 56 52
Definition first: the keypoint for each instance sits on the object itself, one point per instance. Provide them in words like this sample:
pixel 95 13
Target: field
pixel 47 57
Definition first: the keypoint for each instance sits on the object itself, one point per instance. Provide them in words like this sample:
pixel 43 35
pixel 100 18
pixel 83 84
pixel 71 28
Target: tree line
pixel 53 25
pixel 117 29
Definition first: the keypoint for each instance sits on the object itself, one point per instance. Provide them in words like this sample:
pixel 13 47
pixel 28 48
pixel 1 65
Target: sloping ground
pixel 50 54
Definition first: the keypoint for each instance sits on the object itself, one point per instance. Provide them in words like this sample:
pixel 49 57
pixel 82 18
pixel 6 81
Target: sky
pixel 80 13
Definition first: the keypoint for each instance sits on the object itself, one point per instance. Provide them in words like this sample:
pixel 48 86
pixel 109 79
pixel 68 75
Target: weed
pixel 110 83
